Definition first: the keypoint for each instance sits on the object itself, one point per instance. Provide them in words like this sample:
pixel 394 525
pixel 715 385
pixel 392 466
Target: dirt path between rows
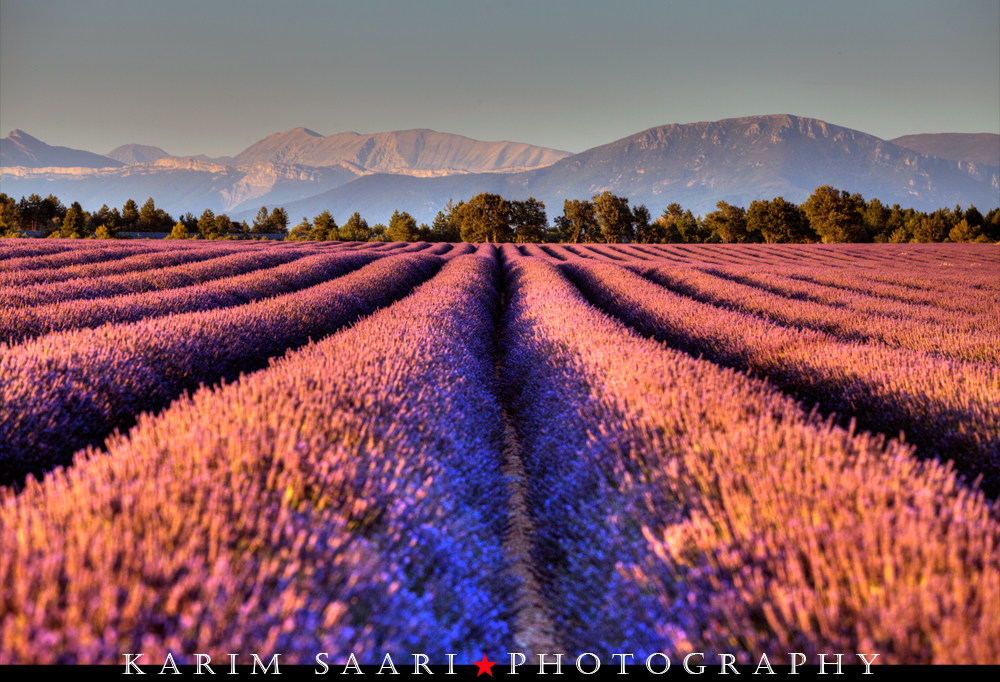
pixel 533 632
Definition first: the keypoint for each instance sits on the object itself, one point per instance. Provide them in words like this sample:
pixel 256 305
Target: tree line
pixel 828 215
pixel 51 218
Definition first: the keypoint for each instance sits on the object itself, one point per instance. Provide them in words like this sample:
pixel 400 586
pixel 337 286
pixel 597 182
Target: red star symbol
pixel 484 666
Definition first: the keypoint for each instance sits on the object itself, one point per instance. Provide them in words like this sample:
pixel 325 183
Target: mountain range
pixel 697 164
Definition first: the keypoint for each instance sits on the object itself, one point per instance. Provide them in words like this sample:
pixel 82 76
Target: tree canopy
pixel 729 222
pixel 324 228
pixel 402 227
pixel 485 218
pixel 528 220
pixel 577 223
pixel 836 216
pixel 613 216
pixel 777 220
pixel 355 229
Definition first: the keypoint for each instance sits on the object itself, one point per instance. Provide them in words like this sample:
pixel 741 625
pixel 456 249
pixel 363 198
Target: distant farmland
pixel 302 447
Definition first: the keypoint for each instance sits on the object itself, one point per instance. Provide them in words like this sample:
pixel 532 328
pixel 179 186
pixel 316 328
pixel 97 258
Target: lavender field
pixel 302 447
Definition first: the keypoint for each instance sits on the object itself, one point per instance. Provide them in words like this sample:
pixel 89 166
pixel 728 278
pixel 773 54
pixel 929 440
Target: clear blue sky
pixel 213 76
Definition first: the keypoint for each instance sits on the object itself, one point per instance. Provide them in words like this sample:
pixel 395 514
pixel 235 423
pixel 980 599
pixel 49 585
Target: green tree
pixel 149 219
pixel 963 232
pixel 692 229
pixel 485 218
pixel 30 212
pixel 930 229
pixel 663 230
pixel 223 225
pixel 261 222
pixel 206 225
pixel 180 231
pixel 52 208
pixel 377 233
pixel 107 218
pixel 835 215
pixel 278 222
pixel 10 214
pixel 729 222
pixel 677 226
pixel 614 219
pixel 300 232
pixel 973 217
pixel 51 213
pixel 529 221
pixel 190 222
pixel 991 225
pixel 130 215
pixel 354 230
pixel 577 224
pixel 439 227
pixel 324 228
pixel 445 227
pixel 85 225
pixel 402 227
pixel 645 231
pixel 778 221
pixel 72 225
pixel 876 220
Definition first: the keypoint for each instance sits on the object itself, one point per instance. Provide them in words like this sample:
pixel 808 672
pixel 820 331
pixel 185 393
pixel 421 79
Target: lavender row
pixel 70 389
pixel 933 290
pixel 303 270
pixel 21 248
pixel 949 409
pixel 84 252
pixel 153 278
pixel 142 260
pixel 892 278
pixel 684 507
pixel 935 303
pixel 845 323
pixel 866 262
pixel 347 499
pixel 943 312
pixel 457 250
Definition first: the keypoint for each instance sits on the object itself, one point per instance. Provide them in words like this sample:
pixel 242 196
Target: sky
pixel 214 76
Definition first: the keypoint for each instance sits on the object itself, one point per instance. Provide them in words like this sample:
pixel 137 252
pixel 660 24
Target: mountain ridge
pixel 696 164
pixel 21 149
pixel 416 149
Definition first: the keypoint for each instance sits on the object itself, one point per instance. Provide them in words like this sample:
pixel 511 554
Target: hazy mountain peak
pixel 17 134
pixel 21 149
pixel 137 153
